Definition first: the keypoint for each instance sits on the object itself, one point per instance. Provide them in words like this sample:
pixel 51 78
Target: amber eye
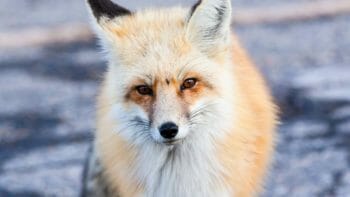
pixel 189 83
pixel 144 90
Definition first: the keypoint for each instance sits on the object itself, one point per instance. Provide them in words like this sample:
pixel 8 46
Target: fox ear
pixel 106 14
pixel 209 24
pixel 106 9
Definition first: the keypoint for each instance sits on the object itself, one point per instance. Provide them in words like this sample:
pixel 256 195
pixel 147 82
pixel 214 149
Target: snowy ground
pixel 47 101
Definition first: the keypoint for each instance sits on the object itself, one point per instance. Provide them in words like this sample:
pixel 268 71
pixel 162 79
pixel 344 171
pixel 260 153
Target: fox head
pixel 169 78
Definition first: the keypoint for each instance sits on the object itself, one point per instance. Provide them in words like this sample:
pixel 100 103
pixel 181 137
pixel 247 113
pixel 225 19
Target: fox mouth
pixel 172 142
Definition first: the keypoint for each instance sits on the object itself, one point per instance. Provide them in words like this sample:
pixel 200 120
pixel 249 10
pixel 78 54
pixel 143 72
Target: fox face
pixel 169 78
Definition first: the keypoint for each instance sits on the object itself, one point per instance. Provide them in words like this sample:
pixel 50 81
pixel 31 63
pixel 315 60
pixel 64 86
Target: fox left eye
pixel 144 90
pixel 189 83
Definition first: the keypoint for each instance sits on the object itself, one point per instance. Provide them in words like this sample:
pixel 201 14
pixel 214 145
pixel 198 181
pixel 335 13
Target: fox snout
pixel 169 119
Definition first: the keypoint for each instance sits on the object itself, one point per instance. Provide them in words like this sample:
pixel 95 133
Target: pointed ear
pixel 106 14
pixel 106 9
pixel 209 24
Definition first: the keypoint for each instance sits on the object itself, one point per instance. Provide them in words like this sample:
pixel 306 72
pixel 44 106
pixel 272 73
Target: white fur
pixel 189 169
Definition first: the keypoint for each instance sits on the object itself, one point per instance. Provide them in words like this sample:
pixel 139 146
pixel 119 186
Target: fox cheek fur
pixel 182 111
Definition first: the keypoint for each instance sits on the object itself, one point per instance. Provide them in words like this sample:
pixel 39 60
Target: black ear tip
pixel 195 6
pixel 107 8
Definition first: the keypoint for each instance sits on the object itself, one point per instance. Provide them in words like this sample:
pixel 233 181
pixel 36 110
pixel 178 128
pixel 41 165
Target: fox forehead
pixel 153 45
pixel 157 33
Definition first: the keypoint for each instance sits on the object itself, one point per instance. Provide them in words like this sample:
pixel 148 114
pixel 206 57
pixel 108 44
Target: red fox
pixel 182 111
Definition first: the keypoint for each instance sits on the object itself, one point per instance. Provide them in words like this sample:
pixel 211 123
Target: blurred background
pixel 50 69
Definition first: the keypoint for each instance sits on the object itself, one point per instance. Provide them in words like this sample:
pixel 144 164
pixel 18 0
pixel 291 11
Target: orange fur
pixel 115 154
pixel 247 151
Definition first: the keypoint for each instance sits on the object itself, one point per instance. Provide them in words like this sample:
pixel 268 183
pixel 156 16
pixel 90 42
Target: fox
pixel 182 110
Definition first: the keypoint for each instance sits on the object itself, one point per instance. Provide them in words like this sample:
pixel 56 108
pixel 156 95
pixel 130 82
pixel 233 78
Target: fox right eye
pixel 144 90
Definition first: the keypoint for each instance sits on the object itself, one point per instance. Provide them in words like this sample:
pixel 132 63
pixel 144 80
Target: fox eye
pixel 189 83
pixel 144 90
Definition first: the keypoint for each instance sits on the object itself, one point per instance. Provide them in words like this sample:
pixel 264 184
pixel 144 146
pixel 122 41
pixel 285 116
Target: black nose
pixel 168 130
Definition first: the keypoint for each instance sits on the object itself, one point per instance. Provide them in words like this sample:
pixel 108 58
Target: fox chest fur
pixel 182 111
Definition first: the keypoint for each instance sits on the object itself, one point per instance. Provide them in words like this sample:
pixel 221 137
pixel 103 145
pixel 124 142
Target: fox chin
pixel 182 111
